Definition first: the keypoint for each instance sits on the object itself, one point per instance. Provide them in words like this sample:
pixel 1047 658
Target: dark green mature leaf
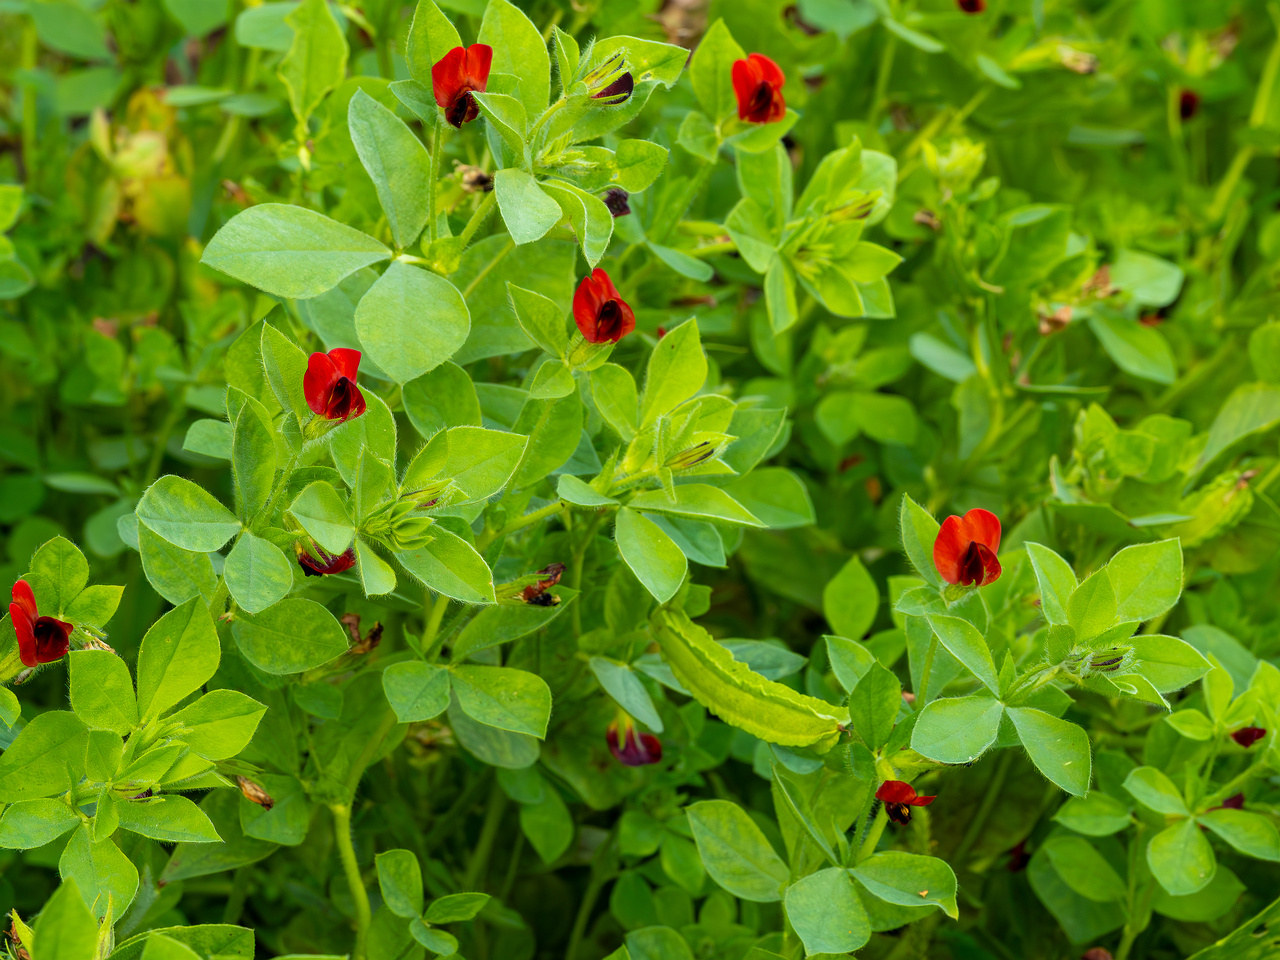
pixel 291 636
pixel 735 851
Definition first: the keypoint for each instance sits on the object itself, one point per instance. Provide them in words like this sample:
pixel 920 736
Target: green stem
pixel 432 638
pixel 437 145
pixel 30 106
pixel 979 820
pixel 479 217
pixel 489 536
pixel 873 835
pixel 359 895
pixel 713 249
pixel 599 877
pixel 239 891
pixel 176 410
pixel 883 72
pixel 479 861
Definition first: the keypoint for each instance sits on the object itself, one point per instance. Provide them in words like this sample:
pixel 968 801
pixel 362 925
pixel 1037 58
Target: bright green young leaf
pixel 826 912
pixel 514 700
pixel 178 654
pixel 102 691
pixel 1058 748
pixel 396 162
pixel 850 600
pixel 1181 859
pixel 735 851
pixel 1147 578
pixel 452 567
pixel 909 879
pixel 957 730
pixel 963 641
pixel 186 515
pixel 289 637
pixel 400 879
pixel 1056 579
pixel 417 691
pixel 257 573
pixel 653 556
pixel 411 321
pixel 621 683
pixel 1153 789
pixel 317 59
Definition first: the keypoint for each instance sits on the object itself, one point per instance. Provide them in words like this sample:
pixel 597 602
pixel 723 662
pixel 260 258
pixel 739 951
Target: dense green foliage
pixel 615 613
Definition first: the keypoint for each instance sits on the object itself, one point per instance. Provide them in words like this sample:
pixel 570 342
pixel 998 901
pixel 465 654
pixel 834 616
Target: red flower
pixel 899 797
pixel 966 548
pixel 619 91
pixel 633 749
pixel 1248 736
pixel 1188 104
pixel 1233 802
pixel 757 83
pixel 972 6
pixel 330 384
pixel 458 74
pixel 325 562
pixel 599 311
pixel 40 639
pixel 615 198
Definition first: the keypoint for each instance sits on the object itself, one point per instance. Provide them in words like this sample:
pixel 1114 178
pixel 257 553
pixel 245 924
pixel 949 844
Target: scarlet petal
pixel 24 598
pixel 990 565
pixel 922 801
pixel 24 628
pixel 479 61
pixel 896 791
pixel 318 381
pixel 448 76
pixel 767 70
pixel 53 639
pixel 599 311
pixel 949 549
pixel 984 527
pixel 346 361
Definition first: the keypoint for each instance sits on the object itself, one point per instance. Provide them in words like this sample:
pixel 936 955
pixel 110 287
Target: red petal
pixel 448 76
pixel 54 648
pixel 24 598
pixel 587 301
pixel 767 70
pixel 896 791
pixel 922 801
pixel 628 319
pixel 984 527
pixel 319 379
pixel 479 60
pixel 358 408
pixel 745 80
pixel 990 565
pixel 949 549
pixel 25 631
pixel 347 361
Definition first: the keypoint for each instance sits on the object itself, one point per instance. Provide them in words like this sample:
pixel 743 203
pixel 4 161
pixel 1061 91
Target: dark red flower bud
pixel 40 639
pixel 536 593
pixel 458 74
pixel 972 6
pixel 599 311
pixel 757 83
pixel 324 562
pixel 899 797
pixel 1096 953
pixel 632 748
pixel 1188 104
pixel 615 198
pixel 1018 857
pixel 1233 802
pixel 1248 736
pixel 330 384
pixel 619 91
pixel 966 548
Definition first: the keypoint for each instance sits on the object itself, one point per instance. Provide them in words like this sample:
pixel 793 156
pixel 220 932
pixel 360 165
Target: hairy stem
pixel 359 896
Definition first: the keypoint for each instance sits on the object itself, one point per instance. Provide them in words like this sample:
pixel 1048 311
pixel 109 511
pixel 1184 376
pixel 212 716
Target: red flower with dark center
pixel 599 310
pixel 966 548
pixel 330 384
pixel 40 639
pixel 324 562
pixel 615 198
pixel 632 748
pixel 1248 736
pixel 1233 802
pixel 619 91
pixel 1188 104
pixel 899 797
pixel 972 6
pixel 458 74
pixel 757 83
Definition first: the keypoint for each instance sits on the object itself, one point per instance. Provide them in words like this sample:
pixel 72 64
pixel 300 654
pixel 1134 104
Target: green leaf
pixel 178 654
pixel 621 683
pixel 873 706
pixel 437 941
pixel 445 397
pixel 289 637
pixel 553 380
pixel 253 464
pixel 526 210
pixel 1056 579
pixel 850 600
pixel 698 501
pixel 33 823
pixel 1084 869
pixel 591 220
pixel 1181 859
pixel 1169 663
pixel 107 878
pixel 220 724
pixel 653 556
pixel 505 622
pixel 676 371
pixel 65 929
pixel 737 695
pixel 455 907
pixel 257 573
pixel 736 852
pixel 572 490
pixel 452 567
pixel 322 513
pixel 909 880
pixel 1096 815
pixel 919 531
pixel 1147 578
pixel 957 730
pixel 1151 281
pixel 548 825
pixel 171 819
pixel 774 495
pixel 376 575
pixel 1155 790
pixel 520 50
pixel 826 912
pixel 1192 724
pixel 507 117
pixel 396 162
pixel 317 59
pixel 502 697
pixel 176 574
pixel 1250 833
pixel 417 691
pixel 63 572
pixel 400 879
pixel 614 391
pixel 711 68
pixel 290 251
pixel 102 691
pixel 431 36
pixel 47 757
pixel 480 461
pixel 966 644
pixel 540 318
pixel 1092 607
pixel 1058 748
pixel 186 515
pixel 1137 350
pixel 1251 410
pixel 1035 240
pixel 411 321
pixel 286 367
